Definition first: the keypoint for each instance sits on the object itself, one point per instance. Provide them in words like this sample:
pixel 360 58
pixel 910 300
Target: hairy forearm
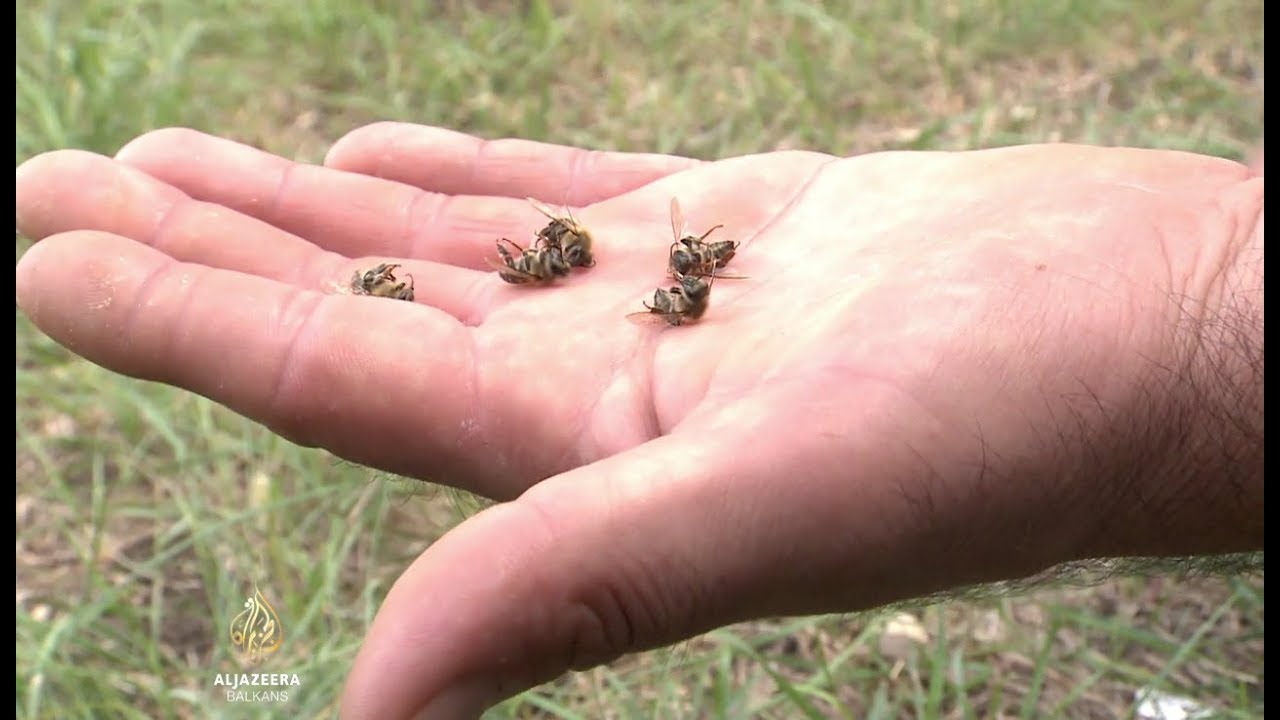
pixel 1197 488
pixel 1222 477
pixel 1226 377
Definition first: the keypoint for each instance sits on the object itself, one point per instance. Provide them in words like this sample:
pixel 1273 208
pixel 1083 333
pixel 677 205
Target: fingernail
pixel 466 701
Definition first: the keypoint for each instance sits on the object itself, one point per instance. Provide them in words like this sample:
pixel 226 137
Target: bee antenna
pixel 564 203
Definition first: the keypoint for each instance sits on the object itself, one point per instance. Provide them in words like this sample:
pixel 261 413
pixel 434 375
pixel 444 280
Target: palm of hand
pixel 872 282
pixel 861 274
pixel 573 381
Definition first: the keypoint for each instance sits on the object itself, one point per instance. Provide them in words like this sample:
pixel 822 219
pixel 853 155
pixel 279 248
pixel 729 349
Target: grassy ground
pixel 141 510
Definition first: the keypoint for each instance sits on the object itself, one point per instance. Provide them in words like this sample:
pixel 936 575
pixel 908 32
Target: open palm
pixel 480 384
pixel 884 405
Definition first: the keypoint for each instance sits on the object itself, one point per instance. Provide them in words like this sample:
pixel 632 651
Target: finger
pixel 74 190
pixel 626 554
pixel 343 212
pixel 379 382
pixel 454 163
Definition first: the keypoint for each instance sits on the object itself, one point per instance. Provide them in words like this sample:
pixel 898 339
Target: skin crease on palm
pixel 925 380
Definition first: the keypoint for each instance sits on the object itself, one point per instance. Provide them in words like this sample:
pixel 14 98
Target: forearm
pixel 1226 475
pixel 1197 485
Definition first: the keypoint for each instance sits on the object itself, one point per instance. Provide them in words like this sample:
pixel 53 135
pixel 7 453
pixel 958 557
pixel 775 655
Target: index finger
pixel 382 383
pixel 347 213
pixel 455 163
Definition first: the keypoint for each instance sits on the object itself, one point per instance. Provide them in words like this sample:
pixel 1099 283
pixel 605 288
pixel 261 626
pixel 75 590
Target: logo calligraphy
pixel 256 632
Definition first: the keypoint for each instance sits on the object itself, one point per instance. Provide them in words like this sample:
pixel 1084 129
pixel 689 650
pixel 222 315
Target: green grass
pixel 144 514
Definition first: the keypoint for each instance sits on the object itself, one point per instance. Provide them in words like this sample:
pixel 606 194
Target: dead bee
pixel 535 265
pixel 381 282
pixel 679 304
pixel 690 255
pixel 565 234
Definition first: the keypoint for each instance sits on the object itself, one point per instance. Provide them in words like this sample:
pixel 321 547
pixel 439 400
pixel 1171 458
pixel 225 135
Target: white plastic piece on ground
pixel 1156 705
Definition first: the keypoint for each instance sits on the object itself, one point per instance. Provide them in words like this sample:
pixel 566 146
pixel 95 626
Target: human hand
pixel 942 369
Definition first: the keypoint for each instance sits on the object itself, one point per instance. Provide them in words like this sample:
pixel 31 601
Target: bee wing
pixel 704 270
pixel 503 267
pixel 542 208
pixel 645 317
pixel 677 220
pixel 347 288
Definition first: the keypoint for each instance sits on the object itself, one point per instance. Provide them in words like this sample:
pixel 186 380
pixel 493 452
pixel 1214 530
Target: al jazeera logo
pixel 256 634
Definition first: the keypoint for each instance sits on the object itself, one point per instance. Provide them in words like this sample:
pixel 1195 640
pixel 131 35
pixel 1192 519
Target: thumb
pixel 622 555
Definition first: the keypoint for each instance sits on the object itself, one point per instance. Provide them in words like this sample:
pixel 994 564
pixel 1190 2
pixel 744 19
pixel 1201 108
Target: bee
pixel 381 281
pixel 685 302
pixel 565 234
pixel 535 265
pixel 690 255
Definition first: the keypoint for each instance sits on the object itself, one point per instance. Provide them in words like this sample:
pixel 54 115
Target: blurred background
pixel 145 515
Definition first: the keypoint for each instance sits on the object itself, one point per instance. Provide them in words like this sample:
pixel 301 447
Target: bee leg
pixel 506 256
pixel 503 251
pixel 705 234
pixel 660 301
